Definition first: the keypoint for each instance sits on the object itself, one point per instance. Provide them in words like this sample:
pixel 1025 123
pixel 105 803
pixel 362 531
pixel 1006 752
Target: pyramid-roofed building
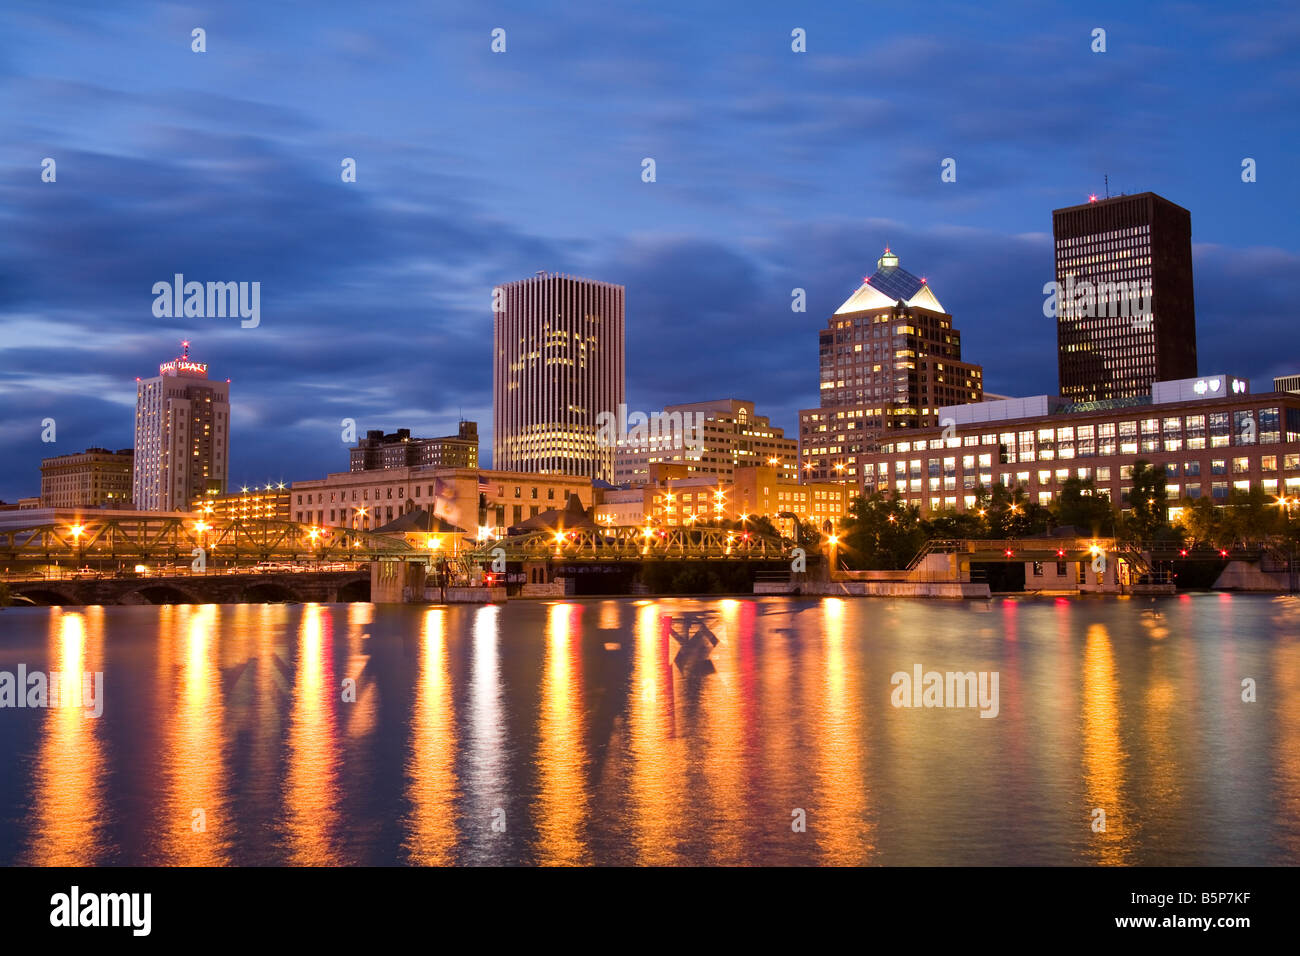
pixel 889 358
pixel 889 285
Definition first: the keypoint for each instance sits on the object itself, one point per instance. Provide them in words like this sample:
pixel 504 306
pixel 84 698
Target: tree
pixel 1201 521
pixel 1149 512
pixel 1079 506
pixel 951 524
pixel 1251 517
pixel 881 533
pixel 1012 515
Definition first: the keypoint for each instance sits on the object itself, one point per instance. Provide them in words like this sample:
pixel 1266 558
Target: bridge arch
pixel 268 592
pixel 160 593
pixel 356 590
pixel 44 596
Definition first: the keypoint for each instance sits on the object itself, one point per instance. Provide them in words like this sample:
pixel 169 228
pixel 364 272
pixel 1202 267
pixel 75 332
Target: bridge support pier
pixel 397 582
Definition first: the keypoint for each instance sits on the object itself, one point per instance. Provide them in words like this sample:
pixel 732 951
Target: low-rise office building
pixel 710 438
pixel 1210 434
pixel 677 497
pixel 271 503
pixel 464 497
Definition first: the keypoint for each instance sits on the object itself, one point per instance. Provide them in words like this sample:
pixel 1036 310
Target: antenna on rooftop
pixel 1107 178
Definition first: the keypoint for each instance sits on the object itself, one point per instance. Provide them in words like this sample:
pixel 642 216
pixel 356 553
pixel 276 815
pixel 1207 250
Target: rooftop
pixel 888 285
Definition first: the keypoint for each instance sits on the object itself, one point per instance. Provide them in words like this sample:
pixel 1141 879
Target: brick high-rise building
pixel 400 450
pixel 1125 310
pixel 94 478
pixel 558 350
pixel 182 436
pixel 890 358
pixel 714 437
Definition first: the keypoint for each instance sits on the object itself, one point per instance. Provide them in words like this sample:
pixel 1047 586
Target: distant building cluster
pixel 378 451
pixel 901 410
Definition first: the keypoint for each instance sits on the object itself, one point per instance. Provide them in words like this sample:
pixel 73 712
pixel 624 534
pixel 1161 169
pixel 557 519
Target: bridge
pixel 236 588
pixel 101 538
pixel 970 551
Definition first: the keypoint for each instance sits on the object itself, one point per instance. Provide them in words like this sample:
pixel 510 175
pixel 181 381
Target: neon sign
pixel 183 365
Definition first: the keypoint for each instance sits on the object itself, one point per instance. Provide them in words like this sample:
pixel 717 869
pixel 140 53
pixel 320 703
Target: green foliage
pixel 1149 512
pixel 1079 506
pixel 880 533
pixel 1247 518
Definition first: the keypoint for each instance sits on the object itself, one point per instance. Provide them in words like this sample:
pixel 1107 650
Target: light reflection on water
pixel 561 733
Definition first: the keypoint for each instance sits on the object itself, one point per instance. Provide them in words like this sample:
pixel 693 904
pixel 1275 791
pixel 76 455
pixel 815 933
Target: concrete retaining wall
pixel 1247 576
pixel 958 590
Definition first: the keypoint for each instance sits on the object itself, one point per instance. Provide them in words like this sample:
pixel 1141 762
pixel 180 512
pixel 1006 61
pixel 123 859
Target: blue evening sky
pixel 775 170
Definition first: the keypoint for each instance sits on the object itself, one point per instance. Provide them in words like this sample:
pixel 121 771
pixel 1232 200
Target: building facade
pixel 558 364
pixel 94 478
pixel 182 436
pixel 271 503
pixel 674 496
pixel 1209 434
pixel 890 358
pixel 709 438
pixel 467 498
pixel 1125 309
pixel 399 450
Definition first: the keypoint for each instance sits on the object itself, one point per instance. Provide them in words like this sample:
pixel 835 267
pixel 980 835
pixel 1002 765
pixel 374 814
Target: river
pixel 1111 731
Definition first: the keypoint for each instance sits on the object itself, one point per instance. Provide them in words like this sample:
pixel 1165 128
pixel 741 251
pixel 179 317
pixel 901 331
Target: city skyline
pixel 400 263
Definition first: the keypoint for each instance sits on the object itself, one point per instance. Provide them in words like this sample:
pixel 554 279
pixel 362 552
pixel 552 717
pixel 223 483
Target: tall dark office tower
pixel 1125 313
pixel 557 364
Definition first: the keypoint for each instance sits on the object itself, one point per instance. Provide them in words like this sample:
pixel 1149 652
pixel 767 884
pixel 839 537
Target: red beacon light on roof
pixel 1008 552
pixel 1060 552
pixel 1182 552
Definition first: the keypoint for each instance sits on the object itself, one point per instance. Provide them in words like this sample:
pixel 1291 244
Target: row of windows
pixel 401 493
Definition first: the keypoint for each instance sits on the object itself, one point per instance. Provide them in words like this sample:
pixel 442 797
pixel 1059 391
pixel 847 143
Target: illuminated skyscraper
pixel 182 436
pixel 890 357
pixel 557 364
pixel 1125 311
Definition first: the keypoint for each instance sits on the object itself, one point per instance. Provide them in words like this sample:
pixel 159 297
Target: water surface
pixel 563 732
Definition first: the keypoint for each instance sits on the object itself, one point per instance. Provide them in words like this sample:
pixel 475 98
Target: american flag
pixel 482 484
